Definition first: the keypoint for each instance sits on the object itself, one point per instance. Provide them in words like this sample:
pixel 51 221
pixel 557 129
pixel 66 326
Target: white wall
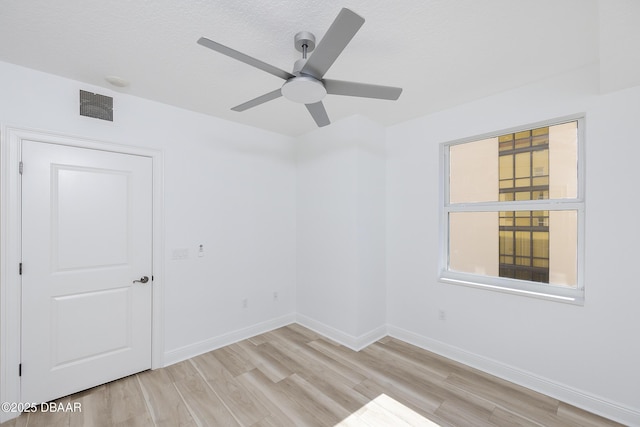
pixel 341 222
pixel 236 190
pixel 586 354
pixel 226 186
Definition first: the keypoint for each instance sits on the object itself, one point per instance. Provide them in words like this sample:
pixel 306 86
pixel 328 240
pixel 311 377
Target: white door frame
pixel 11 248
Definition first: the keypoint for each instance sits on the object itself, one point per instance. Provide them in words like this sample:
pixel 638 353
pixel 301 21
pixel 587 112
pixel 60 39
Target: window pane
pixel 506 244
pixel 506 145
pixel 540 245
pixel 563 161
pixel 473 175
pixel 506 183
pixel 474 242
pixel 479 169
pixel 540 161
pixel 563 244
pixel 540 131
pixel 523 165
pixel 506 167
pixel 540 181
pixel 542 263
pixel 539 195
pixel 506 197
pixel 523 243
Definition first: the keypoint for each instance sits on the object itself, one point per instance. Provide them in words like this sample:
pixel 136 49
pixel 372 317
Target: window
pixel 513 209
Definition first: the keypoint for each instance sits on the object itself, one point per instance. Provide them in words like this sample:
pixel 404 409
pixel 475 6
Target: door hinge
pixel 21 167
pixel 20 269
pixel 20 370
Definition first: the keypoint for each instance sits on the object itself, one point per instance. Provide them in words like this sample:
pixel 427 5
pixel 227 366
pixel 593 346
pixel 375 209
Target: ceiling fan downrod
pixel 304 42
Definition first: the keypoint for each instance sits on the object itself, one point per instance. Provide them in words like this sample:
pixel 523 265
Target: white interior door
pixel 86 236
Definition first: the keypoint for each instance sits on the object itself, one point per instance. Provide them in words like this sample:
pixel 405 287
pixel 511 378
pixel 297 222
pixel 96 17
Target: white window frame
pixel 502 284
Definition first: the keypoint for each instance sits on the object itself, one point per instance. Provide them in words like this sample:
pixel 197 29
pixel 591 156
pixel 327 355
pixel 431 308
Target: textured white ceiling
pixel 441 52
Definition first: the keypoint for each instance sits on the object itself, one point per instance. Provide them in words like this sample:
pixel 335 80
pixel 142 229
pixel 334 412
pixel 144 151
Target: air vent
pixel 96 106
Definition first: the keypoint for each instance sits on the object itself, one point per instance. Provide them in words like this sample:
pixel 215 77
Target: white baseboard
pixel 192 350
pixel 349 341
pixel 563 392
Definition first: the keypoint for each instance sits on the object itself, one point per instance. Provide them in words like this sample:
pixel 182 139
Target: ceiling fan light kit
pixel 305 84
pixel 303 89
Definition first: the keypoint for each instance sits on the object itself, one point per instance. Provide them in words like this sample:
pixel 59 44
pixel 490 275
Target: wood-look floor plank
pixel 401 378
pixel 126 401
pixel 234 359
pixel 182 371
pixel 502 417
pixel 45 416
pixel 283 409
pixel 372 389
pixel 343 355
pixel 318 364
pixel 295 334
pixel 326 410
pixel 418 364
pixel 235 396
pixel 163 400
pixel 568 413
pixel 432 361
pixel 116 403
pixel 372 415
pixel 258 339
pixel 403 412
pixel 463 413
pixel 261 358
pixel 529 404
pixel 21 421
pixel 204 405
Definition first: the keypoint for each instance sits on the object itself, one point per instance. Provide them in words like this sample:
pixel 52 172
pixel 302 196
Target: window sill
pixel 567 299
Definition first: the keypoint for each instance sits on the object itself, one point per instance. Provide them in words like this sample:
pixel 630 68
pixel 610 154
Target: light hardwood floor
pixel 295 377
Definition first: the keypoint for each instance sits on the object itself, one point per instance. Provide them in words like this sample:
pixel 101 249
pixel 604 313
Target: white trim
pixel 349 341
pixel 10 251
pixel 559 295
pixel 582 399
pixel 10 217
pixel 204 346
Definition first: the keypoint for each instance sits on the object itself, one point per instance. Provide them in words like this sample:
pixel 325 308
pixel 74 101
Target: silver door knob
pixel 143 279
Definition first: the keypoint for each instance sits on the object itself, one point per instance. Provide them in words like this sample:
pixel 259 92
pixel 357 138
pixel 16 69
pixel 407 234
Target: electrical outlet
pixel 245 302
pixel 275 296
pixel 442 315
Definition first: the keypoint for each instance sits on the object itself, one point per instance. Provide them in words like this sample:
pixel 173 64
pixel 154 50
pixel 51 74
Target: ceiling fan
pixel 305 84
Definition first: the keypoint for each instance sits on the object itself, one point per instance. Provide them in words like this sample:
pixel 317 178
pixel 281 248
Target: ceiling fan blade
pixel 259 100
pixel 339 87
pixel 338 36
pixel 244 58
pixel 318 113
